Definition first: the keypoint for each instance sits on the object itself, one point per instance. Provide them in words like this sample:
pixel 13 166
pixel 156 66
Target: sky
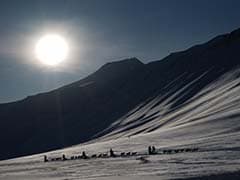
pixel 97 32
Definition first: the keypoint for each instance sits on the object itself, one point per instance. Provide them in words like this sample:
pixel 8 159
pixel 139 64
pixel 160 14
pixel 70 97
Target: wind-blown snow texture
pixel 196 108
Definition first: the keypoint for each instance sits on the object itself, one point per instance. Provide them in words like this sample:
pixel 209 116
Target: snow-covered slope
pixel 214 110
pixel 188 100
pixel 208 121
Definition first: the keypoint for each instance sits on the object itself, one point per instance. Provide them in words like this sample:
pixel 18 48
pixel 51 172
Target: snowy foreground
pixel 211 159
pixel 208 121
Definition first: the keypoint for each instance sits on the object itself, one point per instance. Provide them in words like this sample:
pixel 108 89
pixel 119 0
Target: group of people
pixel 63 158
pixel 82 156
pixel 151 151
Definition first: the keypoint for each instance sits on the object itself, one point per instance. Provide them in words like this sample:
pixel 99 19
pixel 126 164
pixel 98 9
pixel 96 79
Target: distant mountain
pixel 102 103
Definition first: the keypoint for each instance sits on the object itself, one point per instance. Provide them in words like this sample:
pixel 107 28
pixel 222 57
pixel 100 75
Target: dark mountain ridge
pixel 80 111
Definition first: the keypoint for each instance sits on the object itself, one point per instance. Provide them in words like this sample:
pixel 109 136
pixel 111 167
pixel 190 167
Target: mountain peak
pixel 121 66
pixel 125 62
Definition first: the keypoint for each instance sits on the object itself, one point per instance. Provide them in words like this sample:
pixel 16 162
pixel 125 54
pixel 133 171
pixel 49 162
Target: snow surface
pixel 208 121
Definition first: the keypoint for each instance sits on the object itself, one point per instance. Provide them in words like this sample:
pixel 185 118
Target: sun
pixel 51 49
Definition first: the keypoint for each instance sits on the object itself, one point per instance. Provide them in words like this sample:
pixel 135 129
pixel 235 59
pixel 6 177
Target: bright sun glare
pixel 51 49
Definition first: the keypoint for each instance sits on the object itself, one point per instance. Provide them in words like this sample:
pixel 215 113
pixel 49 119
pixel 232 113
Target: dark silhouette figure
pixel 187 150
pixel 72 157
pixel 128 153
pixel 122 154
pixel 45 158
pixel 134 153
pixel 94 156
pixel 153 150
pixel 112 153
pixel 149 150
pixel 84 156
pixel 176 150
pixel 181 150
pixel 100 155
pixel 195 149
pixel 64 157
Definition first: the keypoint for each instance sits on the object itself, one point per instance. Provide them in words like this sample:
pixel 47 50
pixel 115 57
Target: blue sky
pixel 99 31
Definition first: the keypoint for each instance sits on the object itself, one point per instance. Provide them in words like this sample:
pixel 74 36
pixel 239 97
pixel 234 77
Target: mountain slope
pixel 209 120
pixel 178 78
pixel 214 110
pixel 103 102
pixel 71 114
